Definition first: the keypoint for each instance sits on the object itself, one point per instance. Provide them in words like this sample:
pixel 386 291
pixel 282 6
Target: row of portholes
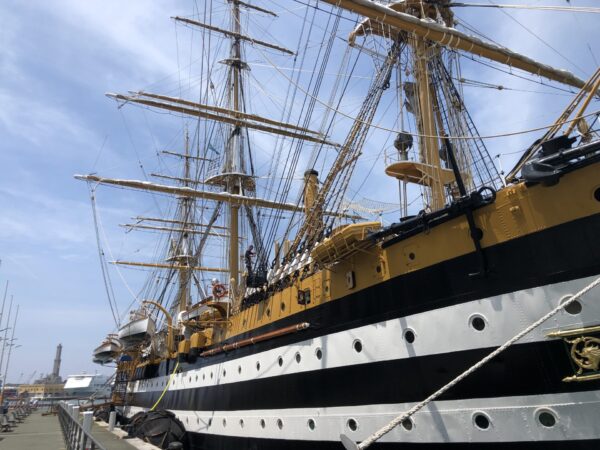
pixel 476 321
pixel 481 420
pixel 544 417
pixel 297 357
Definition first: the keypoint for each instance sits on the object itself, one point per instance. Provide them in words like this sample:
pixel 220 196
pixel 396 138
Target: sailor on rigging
pixel 248 259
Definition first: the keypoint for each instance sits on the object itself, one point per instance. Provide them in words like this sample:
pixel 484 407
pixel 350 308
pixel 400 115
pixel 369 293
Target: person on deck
pixel 248 259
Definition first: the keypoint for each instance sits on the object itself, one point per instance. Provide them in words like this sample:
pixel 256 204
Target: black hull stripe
pixel 216 442
pixel 524 369
pixel 559 254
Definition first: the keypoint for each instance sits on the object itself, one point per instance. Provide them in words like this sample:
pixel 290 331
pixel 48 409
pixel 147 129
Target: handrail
pixel 74 434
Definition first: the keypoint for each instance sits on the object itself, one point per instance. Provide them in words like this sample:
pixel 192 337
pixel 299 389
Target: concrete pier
pixel 40 432
pixel 37 432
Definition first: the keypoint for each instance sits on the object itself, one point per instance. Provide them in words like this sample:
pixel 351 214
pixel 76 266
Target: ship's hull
pixel 304 389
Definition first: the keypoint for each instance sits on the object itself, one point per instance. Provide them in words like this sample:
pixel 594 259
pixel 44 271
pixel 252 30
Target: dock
pixel 43 432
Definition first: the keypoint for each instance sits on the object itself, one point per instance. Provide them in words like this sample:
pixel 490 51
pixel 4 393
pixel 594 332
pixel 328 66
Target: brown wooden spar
pixel 239 200
pixel 181 155
pixel 168 266
pixel 449 37
pixel 230 112
pixel 173 230
pixel 183 180
pixel 257 339
pixel 256 8
pixel 180 222
pixel 232 117
pixel 233 34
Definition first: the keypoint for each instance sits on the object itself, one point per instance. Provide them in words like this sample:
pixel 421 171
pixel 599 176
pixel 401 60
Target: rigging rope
pixel 379 127
pixel 105 276
pixel 401 418
pixel 583 9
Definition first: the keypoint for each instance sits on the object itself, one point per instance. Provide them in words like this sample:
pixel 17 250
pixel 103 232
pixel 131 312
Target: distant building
pixel 41 390
pixel 86 385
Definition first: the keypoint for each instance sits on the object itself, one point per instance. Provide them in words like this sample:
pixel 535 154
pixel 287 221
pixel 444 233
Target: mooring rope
pixel 351 445
pixel 166 387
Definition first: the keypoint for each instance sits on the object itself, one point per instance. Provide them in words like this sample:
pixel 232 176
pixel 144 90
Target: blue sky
pixel 57 59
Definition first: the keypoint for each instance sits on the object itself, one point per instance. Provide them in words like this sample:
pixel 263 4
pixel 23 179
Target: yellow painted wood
pixel 518 211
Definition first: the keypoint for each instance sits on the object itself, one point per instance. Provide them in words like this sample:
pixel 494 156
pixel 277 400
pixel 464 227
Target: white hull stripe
pixel 445 330
pixel 510 419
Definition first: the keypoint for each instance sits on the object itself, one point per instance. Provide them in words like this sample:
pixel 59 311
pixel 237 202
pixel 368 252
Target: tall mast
pixel 234 149
pixel 184 244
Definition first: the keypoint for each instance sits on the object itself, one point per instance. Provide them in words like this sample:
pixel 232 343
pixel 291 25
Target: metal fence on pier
pixel 76 433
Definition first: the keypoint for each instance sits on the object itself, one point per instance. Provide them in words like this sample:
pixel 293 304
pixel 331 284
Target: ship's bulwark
pixel 221 398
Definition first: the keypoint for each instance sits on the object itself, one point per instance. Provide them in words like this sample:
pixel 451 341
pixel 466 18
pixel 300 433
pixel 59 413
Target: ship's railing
pixel 77 434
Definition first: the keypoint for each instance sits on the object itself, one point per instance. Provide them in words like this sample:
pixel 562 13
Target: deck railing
pixel 77 434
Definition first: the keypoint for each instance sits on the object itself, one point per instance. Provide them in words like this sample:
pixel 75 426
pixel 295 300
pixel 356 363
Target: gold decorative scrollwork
pixel 585 352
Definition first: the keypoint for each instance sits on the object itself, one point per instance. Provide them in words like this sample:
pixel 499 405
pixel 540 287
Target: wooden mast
pixel 186 258
pixel 430 144
pixel 235 149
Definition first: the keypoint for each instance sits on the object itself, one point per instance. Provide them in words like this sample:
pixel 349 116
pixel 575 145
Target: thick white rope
pixel 350 445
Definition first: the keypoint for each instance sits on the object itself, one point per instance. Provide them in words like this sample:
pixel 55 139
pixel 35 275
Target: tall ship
pixel 285 309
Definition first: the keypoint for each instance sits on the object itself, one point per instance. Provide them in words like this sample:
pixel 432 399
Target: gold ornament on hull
pixel 585 352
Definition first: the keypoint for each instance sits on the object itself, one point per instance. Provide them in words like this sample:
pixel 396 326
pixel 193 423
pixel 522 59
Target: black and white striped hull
pixel 354 369
pixel 308 392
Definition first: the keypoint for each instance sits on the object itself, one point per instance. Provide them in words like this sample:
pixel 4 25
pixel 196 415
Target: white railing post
pixel 87 428
pixel 112 418
pixel 75 414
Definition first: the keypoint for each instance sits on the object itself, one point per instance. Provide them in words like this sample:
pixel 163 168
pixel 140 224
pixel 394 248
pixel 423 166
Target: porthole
pixel 241 423
pixel 204 376
pixel 477 322
pixel 210 422
pixel 319 353
pixel 572 308
pixel 481 421
pixel 352 425
pixel 224 373
pixel 257 365
pixel 407 424
pixel 409 336
pixel 224 423
pixel 268 312
pixel 211 375
pixel 197 420
pixel 189 379
pixel 280 361
pixel 240 369
pixel 378 269
pixel 298 357
pixel 280 424
pixel 187 420
pixel 546 418
pixel 597 194
pixel 263 423
pixel 196 377
pixel 411 256
pixel 244 322
pixel 311 424
pixel 357 346
pixel 282 306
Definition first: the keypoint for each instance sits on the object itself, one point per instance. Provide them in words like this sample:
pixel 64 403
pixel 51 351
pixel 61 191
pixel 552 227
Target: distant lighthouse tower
pixel 56 369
